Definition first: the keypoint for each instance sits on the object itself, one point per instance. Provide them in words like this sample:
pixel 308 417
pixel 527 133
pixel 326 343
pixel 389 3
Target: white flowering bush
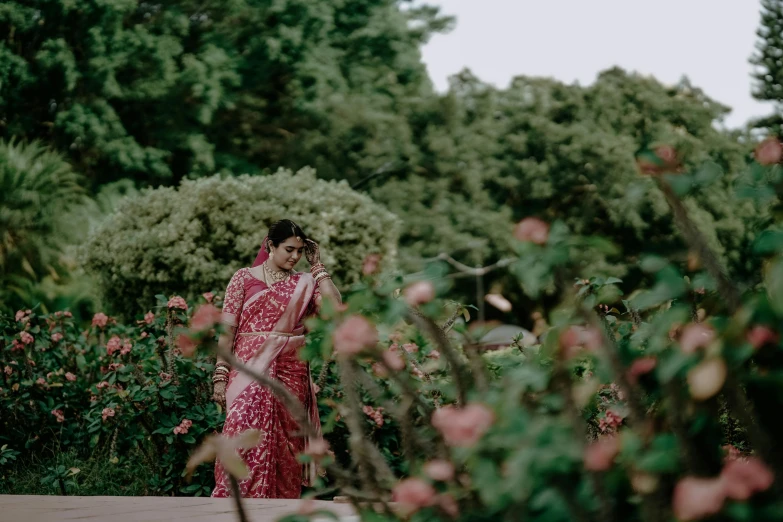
pixel 190 239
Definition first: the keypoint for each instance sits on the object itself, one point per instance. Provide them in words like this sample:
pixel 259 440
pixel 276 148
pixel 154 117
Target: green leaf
pixel 708 174
pixel 769 242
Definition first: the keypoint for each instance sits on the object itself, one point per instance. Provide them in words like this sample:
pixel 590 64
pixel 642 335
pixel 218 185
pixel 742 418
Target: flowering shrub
pixel 112 390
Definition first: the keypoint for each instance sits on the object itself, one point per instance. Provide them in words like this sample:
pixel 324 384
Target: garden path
pixel 149 509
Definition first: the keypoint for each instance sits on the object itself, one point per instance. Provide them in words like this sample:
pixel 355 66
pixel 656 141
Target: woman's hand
pixel 219 393
pixel 312 252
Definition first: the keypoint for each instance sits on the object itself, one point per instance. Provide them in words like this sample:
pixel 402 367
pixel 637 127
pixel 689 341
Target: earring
pixel 267 247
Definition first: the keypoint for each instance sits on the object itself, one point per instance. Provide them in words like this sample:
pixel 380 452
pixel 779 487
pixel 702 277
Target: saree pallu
pixel 268 337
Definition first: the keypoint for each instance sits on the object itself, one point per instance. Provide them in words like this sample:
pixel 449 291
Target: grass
pixel 97 476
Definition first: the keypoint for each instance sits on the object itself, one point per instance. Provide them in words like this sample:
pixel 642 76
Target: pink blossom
pixel 107 412
pixel 41 381
pixel 127 346
pixel 759 336
pixel 393 360
pixel 17 345
pixel 114 345
pixel 206 317
pixel 440 470
pixel 448 504
pixel 695 336
pixel 20 314
pixel 640 367
pixel 208 296
pixel 164 376
pixel 186 345
pixel 57 337
pixel 410 347
pixel 600 454
pixel 769 151
pixel 149 317
pixel 610 422
pixel 93 398
pixel 58 414
pixel 576 338
pixel 100 320
pixel 413 494
pixel 742 478
pixel 70 377
pixel 463 427
pixel 434 354
pixel 26 338
pixel 8 370
pixel 67 314
pixel 144 335
pixel 187 423
pixel 667 161
pixel 696 498
pixel 419 293
pixel 115 366
pixel 178 302
pixel 354 335
pixel 499 302
pixel 371 264
pixel 416 372
pixel 379 370
pixel 375 414
pixel 102 384
pixel 532 230
pixel 178 429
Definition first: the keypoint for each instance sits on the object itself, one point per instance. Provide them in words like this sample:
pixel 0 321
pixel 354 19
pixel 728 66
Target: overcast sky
pixel 572 40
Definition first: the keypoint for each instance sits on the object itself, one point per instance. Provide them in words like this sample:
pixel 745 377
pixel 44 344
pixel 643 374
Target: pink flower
pixel 317 449
pixel 17 346
pixel 600 454
pixel 178 429
pixel 41 381
pixel 115 366
pixel 499 302
pixel 576 338
pixel 707 378
pixel 463 427
pixel 70 377
pixel 640 367
pixel 769 151
pixel 164 376
pixel 178 302
pixel 208 296
pixel 448 504
pixel 759 336
pixel 413 494
pixel 8 370
pixel 67 314
pixel 695 336
pixel 102 384
pixel 410 347
pixel 144 335
pixel 393 360
pixel 26 338
pixel 696 498
pixel 20 314
pixel 375 414
pixel 149 318
pixel 186 345
pixel 742 478
pixel 186 423
pixel 127 346
pixel 57 337
pixel 371 264
pixel 434 354
pixel 100 320
pixel 354 335
pixel 107 412
pixel 114 345
pixel 206 317
pixel 532 230
pixel 440 470
pixel 183 427
pixel 58 414
pixel 610 422
pixel 419 293
pixel 666 161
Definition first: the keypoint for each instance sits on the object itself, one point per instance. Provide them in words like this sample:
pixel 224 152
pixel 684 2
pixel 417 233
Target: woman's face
pixel 288 253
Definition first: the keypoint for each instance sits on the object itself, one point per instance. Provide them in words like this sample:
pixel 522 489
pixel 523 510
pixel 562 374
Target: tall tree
pixel 768 60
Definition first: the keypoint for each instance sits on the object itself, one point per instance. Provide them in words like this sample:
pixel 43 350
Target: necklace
pixel 275 276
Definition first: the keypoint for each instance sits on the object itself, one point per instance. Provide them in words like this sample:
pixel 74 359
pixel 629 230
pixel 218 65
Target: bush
pixel 191 239
pixel 108 394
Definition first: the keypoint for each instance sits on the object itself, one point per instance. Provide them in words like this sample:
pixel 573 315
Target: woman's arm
pixel 326 287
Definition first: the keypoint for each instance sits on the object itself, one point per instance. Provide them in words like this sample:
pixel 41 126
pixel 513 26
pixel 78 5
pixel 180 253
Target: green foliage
pixel 769 69
pixel 159 92
pixel 191 239
pixel 110 395
pixel 38 189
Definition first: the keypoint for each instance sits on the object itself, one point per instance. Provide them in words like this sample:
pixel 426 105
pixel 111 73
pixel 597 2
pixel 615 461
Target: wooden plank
pixel 30 508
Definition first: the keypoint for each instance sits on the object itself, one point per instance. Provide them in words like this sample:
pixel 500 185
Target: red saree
pixel 269 333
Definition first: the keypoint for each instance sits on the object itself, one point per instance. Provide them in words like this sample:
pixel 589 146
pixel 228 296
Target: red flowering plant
pixel 113 390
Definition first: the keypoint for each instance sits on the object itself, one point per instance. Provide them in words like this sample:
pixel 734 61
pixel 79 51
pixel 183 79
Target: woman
pixel 263 311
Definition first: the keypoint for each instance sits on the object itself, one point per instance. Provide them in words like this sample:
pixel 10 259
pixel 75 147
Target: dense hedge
pixel 189 240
